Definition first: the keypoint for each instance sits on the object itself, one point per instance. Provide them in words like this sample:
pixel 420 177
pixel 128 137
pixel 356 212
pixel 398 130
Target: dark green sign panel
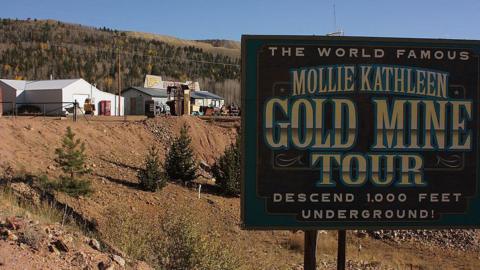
pixel 343 132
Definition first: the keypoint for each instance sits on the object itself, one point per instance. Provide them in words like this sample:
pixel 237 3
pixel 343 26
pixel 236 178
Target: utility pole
pixel 119 83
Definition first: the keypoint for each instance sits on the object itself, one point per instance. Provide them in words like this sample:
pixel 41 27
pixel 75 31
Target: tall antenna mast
pixel 334 18
pixel 336 32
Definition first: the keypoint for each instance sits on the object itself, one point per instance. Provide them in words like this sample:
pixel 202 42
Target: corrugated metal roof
pixel 154 92
pixel 16 84
pixel 39 85
pixel 157 92
pixel 204 95
pixel 49 84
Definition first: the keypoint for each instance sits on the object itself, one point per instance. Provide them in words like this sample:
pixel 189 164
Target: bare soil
pixel 116 151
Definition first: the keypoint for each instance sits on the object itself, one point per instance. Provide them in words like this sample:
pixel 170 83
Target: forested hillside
pixel 38 49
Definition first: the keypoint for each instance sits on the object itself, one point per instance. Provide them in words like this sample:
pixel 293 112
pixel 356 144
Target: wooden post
pixel 342 237
pixel 75 111
pixel 310 250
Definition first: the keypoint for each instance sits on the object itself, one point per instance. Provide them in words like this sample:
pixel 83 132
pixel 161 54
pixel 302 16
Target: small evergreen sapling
pixel 226 170
pixel 71 159
pixel 151 177
pixel 180 164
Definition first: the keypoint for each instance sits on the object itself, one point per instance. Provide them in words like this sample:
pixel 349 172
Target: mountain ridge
pixel 38 49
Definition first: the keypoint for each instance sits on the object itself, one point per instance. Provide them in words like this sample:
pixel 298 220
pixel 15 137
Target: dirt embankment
pixel 30 143
pixel 116 151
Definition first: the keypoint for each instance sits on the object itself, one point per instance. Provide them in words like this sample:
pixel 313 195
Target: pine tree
pixel 226 170
pixel 71 159
pixel 180 163
pixel 151 177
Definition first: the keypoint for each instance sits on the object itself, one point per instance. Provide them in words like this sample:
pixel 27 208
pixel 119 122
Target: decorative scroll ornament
pixel 284 160
pixel 452 161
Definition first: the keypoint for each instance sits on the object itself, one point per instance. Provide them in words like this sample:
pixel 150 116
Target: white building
pixel 55 96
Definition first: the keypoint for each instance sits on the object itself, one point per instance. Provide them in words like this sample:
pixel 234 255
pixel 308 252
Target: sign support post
pixel 310 250
pixel 342 237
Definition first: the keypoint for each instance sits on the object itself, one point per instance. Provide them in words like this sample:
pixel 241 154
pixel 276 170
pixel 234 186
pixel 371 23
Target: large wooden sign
pixel 342 132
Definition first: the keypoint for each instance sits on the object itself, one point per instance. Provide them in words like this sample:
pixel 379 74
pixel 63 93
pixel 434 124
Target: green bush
pixel 226 170
pixel 152 177
pixel 180 164
pixel 71 159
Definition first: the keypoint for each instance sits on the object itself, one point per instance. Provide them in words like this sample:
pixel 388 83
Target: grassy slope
pixel 229 48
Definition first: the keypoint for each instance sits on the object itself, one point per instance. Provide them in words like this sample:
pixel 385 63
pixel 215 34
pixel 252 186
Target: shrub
pixel 151 177
pixel 175 242
pixel 33 237
pixel 180 163
pixel 8 174
pixel 133 234
pixel 226 170
pixel 71 159
pixel 185 247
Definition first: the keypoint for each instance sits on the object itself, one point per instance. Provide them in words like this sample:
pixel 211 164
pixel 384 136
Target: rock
pixel 13 223
pixel 205 166
pixel 142 266
pixel 94 244
pixel 361 234
pixel 11 236
pixel 52 167
pixel 26 192
pixel 119 260
pixel 210 201
pixel 79 258
pixel 105 266
pixel 53 249
pixel 61 246
pixel 457 239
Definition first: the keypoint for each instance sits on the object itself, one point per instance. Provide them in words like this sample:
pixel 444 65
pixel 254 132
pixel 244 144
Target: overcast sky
pixel 207 19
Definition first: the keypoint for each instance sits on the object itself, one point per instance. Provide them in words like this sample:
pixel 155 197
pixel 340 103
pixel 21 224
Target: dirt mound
pixel 29 143
pixel 208 139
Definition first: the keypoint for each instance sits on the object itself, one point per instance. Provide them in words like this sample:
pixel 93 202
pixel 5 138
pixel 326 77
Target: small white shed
pixel 54 96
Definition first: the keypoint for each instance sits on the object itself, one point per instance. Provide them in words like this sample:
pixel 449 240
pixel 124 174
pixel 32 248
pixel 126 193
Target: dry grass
pixel 131 233
pixel 295 241
pixel 327 243
pixel 207 47
pixel 44 212
pixel 174 242
pixel 33 237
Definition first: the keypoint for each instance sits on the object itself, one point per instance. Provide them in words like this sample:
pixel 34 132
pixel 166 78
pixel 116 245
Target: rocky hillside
pixel 126 217
pixel 37 49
